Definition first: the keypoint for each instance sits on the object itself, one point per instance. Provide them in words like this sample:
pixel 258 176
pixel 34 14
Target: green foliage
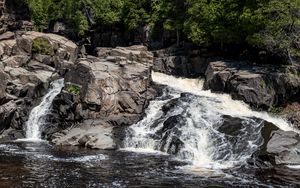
pixel 41 46
pixel 74 89
pixel 275 110
pixel 39 11
pixel 268 24
pixel 135 13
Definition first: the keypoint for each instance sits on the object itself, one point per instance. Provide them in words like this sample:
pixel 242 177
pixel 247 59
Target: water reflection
pixel 25 164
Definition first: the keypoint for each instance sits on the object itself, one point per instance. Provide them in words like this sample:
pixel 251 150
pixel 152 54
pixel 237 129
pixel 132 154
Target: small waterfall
pixel 206 129
pixel 37 115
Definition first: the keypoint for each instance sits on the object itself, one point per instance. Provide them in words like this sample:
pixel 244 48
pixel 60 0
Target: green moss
pixel 275 110
pixel 41 46
pixel 73 89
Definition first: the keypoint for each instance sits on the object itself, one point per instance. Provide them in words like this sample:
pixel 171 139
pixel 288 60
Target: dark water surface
pixel 25 164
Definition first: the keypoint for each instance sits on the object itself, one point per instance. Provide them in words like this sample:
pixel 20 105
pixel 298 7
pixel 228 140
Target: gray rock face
pixel 114 87
pixel 117 91
pixel 25 77
pixel 285 146
pixel 180 61
pixel 261 87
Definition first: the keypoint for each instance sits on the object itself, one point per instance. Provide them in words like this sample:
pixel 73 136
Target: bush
pixel 73 89
pixel 41 46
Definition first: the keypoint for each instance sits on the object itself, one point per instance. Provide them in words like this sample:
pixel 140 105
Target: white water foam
pixel 225 105
pixel 37 115
pixel 204 145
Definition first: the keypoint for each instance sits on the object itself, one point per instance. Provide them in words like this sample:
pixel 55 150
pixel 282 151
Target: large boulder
pixel 22 44
pixel 95 134
pixel 284 147
pixel 117 92
pixel 260 86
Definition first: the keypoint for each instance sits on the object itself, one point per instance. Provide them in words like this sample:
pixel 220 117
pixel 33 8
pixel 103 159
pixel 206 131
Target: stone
pixel 16 61
pixel 7 35
pixel 180 60
pixel 285 147
pixel 58 43
pixel 111 91
pixel 259 86
pixel 3 82
pixel 95 134
pixel 6 114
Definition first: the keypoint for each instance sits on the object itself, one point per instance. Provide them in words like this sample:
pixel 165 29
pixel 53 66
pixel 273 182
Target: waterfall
pixel 37 115
pixel 203 128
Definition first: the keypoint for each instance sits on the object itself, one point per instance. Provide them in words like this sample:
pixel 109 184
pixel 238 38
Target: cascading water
pixel 206 129
pixel 37 115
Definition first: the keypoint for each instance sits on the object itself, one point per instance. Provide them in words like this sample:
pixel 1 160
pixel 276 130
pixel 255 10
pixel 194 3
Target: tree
pixel 135 13
pixel 281 31
pixel 39 10
pixel 170 13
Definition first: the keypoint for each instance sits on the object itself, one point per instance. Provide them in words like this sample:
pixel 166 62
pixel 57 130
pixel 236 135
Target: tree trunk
pixel 178 37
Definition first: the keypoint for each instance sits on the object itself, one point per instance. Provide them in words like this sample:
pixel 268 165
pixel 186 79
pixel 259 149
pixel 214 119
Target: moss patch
pixel 73 89
pixel 41 46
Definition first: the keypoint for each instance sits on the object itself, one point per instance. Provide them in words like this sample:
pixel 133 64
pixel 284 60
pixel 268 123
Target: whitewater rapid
pixel 37 115
pixel 204 144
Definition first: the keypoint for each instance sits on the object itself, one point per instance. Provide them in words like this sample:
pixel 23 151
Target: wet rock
pixel 285 147
pixel 26 76
pixel 6 114
pixel 95 134
pixel 11 134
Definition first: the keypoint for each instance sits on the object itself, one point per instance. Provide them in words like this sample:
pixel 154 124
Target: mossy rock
pixel 42 46
pixel 74 89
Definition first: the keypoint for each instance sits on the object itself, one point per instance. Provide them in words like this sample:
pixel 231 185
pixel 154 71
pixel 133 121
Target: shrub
pixel 41 46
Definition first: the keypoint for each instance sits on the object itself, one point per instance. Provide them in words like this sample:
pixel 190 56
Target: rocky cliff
pixel 114 88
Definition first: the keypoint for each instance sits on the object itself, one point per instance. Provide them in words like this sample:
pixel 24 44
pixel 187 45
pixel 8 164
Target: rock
pixel 59 27
pixel 16 61
pixel 6 114
pixel 285 147
pixel 95 134
pixel 260 86
pixel 8 47
pixel 59 44
pixel 118 93
pixel 45 59
pixel 181 61
pixel 26 78
pixel 129 54
pixel 11 134
pixel 7 35
pixel 292 113
pixel 3 78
